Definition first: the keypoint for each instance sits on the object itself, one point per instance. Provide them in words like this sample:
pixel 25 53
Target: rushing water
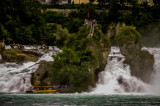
pixel 116 77
pixel 17 77
pixel 77 100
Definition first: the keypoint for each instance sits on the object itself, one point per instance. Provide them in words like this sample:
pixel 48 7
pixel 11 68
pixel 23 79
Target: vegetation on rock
pixel 76 65
pixel 127 35
pixel 15 55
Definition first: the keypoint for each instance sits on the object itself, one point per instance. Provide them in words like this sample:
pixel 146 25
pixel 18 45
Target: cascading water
pixel 116 77
pixel 17 77
pixel 155 80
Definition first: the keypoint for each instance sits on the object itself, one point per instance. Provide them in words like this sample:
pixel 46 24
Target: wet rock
pixel 131 84
pixel 15 55
pixel 41 75
pixel 33 53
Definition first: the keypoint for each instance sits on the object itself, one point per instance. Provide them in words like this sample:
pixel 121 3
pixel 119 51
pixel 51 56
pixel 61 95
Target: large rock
pixel 141 62
pixel 141 65
pixel 15 55
pixel 41 75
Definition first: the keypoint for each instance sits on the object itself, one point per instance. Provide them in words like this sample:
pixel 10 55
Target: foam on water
pixel 17 77
pixel 116 77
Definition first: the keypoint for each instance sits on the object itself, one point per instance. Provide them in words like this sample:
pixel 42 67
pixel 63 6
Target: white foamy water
pixel 116 77
pixel 17 77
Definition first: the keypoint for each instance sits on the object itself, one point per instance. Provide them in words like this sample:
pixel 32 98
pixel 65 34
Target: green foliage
pixel 9 55
pixel 73 65
pixel 70 22
pixel 4 34
pixel 56 35
pixel 68 69
pixel 127 35
pixel 21 21
pixel 74 24
pixel 98 34
pixel 55 17
pixel 79 41
pixel 21 35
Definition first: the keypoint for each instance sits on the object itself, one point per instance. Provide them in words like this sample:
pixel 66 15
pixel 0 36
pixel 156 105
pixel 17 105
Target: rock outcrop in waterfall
pixel 129 40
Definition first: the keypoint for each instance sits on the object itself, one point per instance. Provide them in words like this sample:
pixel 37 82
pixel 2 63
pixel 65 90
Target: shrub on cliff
pixel 56 35
pixel 127 35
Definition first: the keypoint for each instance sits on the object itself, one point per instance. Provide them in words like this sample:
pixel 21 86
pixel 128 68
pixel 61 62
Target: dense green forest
pixel 27 22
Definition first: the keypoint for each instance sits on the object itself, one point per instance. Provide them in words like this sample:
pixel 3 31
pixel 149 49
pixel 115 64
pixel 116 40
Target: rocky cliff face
pixel 41 75
pixel 141 62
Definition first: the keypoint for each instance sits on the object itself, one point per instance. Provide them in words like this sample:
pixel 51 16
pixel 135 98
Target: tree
pixel 56 35
pixel 22 19
pixel 4 34
pixel 127 35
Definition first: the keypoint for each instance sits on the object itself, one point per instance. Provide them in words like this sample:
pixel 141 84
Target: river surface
pixel 78 100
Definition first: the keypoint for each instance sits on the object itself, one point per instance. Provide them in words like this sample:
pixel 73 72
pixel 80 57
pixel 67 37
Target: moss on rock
pixel 16 55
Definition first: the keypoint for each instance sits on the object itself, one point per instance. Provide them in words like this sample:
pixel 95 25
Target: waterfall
pixel 17 77
pixel 155 79
pixel 116 77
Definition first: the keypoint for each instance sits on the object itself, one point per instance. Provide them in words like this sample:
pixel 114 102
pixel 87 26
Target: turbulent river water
pixel 115 86
pixel 78 100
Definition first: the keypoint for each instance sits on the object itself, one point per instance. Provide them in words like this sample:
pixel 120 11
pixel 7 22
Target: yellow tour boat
pixel 43 89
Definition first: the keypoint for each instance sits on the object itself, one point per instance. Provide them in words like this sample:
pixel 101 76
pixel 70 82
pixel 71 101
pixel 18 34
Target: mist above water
pixel 151 35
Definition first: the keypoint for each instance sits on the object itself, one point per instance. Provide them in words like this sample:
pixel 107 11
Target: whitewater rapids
pixel 17 77
pixel 116 77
